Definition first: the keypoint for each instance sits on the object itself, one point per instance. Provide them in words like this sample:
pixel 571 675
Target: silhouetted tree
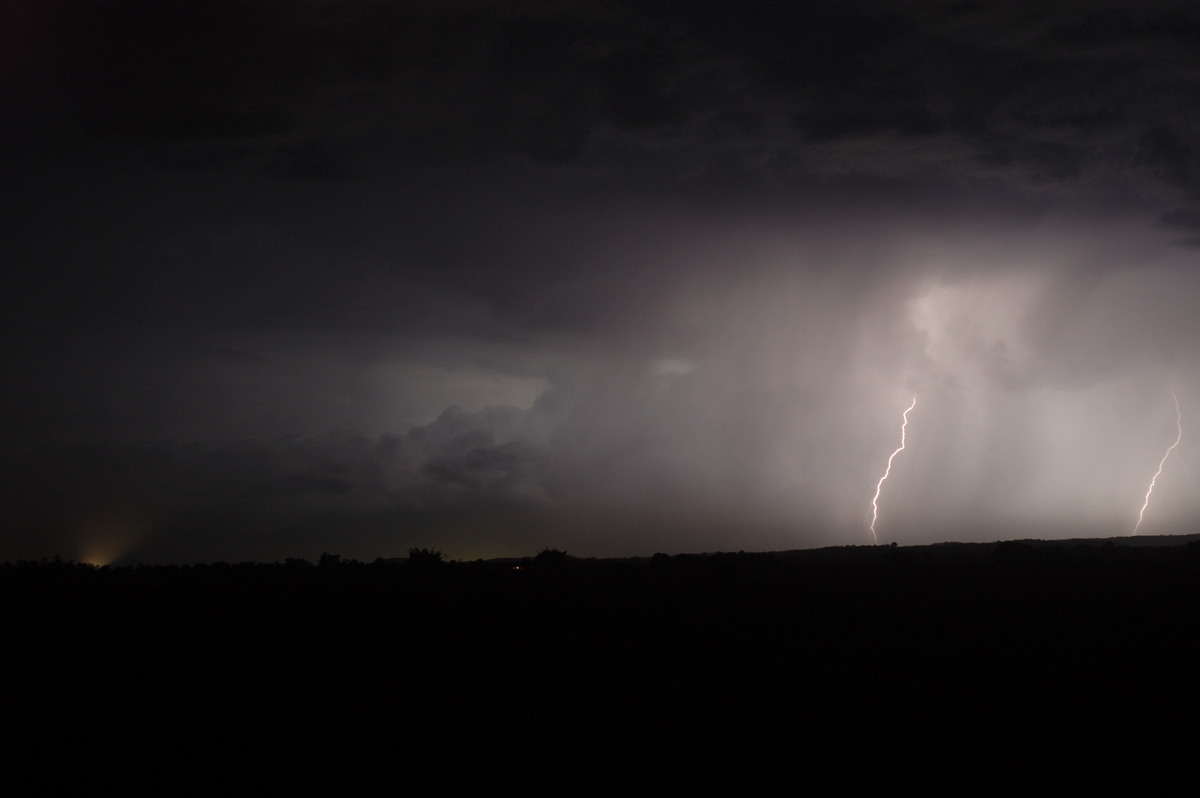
pixel 424 558
pixel 550 557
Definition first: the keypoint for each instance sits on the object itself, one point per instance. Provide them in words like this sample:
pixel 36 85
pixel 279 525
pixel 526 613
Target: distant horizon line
pixel 1129 541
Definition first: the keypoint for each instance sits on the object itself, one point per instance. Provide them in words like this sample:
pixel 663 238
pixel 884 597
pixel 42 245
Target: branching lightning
pixel 888 470
pixel 1163 462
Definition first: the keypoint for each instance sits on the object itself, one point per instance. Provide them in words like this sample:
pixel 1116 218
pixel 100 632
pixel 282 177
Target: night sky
pixel 292 276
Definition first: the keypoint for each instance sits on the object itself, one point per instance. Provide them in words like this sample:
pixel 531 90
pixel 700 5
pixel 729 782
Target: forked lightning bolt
pixel 1163 462
pixel 888 470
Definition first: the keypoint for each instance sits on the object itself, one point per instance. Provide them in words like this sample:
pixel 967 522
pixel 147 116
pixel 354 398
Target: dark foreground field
pixel 723 673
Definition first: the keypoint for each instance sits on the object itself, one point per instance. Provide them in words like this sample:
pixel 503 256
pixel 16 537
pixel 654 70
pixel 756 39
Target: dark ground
pixel 954 666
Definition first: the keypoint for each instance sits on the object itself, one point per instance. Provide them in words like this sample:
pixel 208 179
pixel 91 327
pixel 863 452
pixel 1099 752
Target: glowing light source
pixel 888 470
pixel 1163 462
pixel 106 535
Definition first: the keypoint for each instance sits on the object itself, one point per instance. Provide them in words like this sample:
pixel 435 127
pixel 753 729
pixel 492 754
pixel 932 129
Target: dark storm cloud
pixel 315 160
pixel 311 483
pixel 677 263
pixel 238 356
pixel 195 68
pixel 321 90
pixel 1183 220
pixel 135 497
pixel 1167 155
pixel 563 462
pixel 483 466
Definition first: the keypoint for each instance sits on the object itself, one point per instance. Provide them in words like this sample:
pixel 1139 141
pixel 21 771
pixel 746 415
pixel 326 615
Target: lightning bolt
pixel 1163 462
pixel 879 485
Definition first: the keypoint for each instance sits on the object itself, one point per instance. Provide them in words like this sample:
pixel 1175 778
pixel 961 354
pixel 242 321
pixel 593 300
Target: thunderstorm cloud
pixel 613 278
